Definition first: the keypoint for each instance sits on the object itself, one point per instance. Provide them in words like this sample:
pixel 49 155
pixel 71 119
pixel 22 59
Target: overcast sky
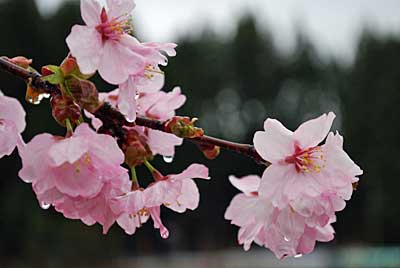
pixel 333 25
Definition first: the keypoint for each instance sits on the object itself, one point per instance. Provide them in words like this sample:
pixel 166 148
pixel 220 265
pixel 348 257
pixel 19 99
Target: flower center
pixel 85 161
pixel 113 29
pixel 150 71
pixel 308 160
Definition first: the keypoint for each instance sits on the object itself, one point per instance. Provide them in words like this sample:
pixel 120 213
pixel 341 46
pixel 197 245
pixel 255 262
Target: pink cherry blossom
pixel 104 43
pixel 12 123
pixel 284 231
pixel 77 175
pixel 299 166
pixel 178 191
pixel 149 79
pixel 134 210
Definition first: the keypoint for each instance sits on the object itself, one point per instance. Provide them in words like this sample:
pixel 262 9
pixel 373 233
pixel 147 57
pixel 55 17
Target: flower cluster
pixel 294 203
pixel 90 173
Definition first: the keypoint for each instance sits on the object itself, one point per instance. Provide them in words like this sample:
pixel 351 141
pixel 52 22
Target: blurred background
pixel 238 62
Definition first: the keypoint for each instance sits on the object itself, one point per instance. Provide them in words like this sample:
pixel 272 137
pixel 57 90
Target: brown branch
pixel 113 119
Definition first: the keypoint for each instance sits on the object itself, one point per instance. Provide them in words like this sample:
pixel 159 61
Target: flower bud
pixel 85 93
pixel 135 148
pixel 68 66
pixel 64 108
pixel 210 151
pixel 21 61
pixel 183 127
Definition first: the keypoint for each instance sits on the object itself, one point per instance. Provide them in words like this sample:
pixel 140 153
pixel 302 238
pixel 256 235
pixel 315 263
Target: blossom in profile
pixel 178 192
pixel 78 175
pixel 104 44
pixel 12 124
pixel 147 80
pixel 300 166
pixel 134 211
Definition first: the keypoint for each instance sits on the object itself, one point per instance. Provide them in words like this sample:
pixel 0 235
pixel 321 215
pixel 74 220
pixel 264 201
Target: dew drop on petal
pixel 286 239
pixel 44 205
pixel 298 256
pixel 164 232
pixel 168 159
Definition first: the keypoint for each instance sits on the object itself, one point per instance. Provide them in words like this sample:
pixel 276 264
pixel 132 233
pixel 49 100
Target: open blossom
pixel 77 175
pixel 134 211
pixel 284 231
pixel 104 43
pixel 300 166
pixel 12 123
pixel 146 80
pixel 177 192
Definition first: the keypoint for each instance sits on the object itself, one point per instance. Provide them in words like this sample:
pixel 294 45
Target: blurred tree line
pixel 232 86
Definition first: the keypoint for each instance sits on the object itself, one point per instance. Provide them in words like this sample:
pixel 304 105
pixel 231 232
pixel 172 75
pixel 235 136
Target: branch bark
pixel 108 114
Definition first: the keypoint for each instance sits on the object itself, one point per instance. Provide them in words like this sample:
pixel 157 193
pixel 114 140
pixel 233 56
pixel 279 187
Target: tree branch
pixel 113 118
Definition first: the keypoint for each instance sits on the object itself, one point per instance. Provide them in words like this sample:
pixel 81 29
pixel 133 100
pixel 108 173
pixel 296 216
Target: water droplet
pixel 164 232
pixel 129 119
pixel 298 256
pixel 168 159
pixel 36 99
pixel 286 239
pixel 44 205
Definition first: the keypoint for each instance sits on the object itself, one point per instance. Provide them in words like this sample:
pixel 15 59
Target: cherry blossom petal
pixel 12 110
pixel 314 131
pixel 68 150
pixel 8 137
pixel 275 143
pixel 273 182
pixel 129 223
pixel 86 45
pixel 162 143
pixel 192 172
pixel 247 185
pixel 90 12
pixel 188 199
pixel 127 100
pixel 117 8
pixel 155 215
pixel 118 62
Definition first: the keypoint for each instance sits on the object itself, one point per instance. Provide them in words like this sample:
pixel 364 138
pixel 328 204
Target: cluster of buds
pixel 184 127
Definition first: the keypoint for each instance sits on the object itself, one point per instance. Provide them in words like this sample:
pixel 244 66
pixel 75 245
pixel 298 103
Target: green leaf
pixel 54 79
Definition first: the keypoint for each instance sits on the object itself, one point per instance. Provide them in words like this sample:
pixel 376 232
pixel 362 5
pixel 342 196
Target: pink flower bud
pixel 21 61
